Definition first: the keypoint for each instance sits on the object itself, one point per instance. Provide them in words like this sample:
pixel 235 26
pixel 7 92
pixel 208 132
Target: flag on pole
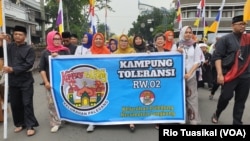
pixel 1 14
pixel 178 14
pixel 203 15
pixel 246 12
pixel 201 4
pixel 206 27
pixel 59 20
pixel 198 13
pixel 215 25
pixel 197 22
pixel 92 17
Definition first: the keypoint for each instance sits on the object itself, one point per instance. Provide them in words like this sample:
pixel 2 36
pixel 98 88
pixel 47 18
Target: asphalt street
pixel 75 132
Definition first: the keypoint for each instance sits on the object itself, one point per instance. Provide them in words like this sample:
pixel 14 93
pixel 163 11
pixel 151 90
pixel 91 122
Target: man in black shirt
pixel 21 58
pixel 66 42
pixel 238 85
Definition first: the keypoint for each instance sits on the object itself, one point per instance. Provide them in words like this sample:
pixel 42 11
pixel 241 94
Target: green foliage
pixel 161 22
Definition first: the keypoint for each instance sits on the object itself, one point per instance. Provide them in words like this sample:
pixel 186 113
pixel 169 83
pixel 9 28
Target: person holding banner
pixel 232 62
pixel 54 48
pixel 21 58
pixel 124 48
pixel 160 41
pixel 193 58
pixel 98 47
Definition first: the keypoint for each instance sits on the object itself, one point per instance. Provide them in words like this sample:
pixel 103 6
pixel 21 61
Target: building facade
pixel 189 9
pixel 25 13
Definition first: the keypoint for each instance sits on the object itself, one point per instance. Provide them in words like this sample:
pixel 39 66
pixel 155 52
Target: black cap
pixel 237 19
pixel 20 29
pixel 66 34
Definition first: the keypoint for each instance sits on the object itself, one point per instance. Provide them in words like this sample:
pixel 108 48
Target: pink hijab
pixel 51 46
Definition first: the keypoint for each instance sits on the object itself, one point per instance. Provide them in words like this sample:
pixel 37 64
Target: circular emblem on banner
pixel 84 87
pixel 147 97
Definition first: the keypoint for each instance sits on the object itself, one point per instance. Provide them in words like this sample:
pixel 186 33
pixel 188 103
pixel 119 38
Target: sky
pixel 126 12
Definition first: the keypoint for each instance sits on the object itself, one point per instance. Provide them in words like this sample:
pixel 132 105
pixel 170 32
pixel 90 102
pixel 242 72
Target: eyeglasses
pixel 241 24
pixel 124 40
pixel 57 39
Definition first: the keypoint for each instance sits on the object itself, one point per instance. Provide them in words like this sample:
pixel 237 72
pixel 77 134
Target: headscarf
pixel 141 47
pixel 50 43
pixel 99 50
pixel 89 42
pixel 127 50
pixel 181 37
pixel 168 44
pixel 116 43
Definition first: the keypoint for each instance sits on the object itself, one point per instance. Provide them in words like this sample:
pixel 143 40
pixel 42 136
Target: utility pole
pixel 43 21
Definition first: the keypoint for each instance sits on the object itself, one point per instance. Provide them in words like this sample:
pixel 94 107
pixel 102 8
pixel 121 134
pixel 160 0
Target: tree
pixel 75 12
pixel 157 21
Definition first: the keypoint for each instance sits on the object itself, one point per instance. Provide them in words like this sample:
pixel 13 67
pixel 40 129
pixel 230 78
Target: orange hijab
pixel 168 44
pixel 99 50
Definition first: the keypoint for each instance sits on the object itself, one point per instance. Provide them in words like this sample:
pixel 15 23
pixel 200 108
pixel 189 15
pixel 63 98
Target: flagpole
pixel 221 8
pixel 59 20
pixel 204 19
pixel 179 16
pixel 106 20
pixel 197 27
pixel 62 16
pixel 6 74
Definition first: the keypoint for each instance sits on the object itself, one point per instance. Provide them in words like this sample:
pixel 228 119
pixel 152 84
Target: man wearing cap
pixel 238 87
pixel 21 58
pixel 66 42
pixel 206 67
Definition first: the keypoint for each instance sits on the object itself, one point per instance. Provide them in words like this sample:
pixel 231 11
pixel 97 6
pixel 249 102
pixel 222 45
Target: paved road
pixel 75 132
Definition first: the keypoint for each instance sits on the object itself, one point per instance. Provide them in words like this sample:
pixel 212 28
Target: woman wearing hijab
pixel 98 47
pixel 139 44
pixel 112 45
pixel 169 40
pixel 54 48
pixel 123 46
pixel 193 58
pixel 86 44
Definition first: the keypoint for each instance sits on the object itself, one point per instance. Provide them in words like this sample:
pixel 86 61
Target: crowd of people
pixel 200 61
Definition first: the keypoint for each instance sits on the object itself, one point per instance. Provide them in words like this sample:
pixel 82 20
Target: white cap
pixel 203 45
